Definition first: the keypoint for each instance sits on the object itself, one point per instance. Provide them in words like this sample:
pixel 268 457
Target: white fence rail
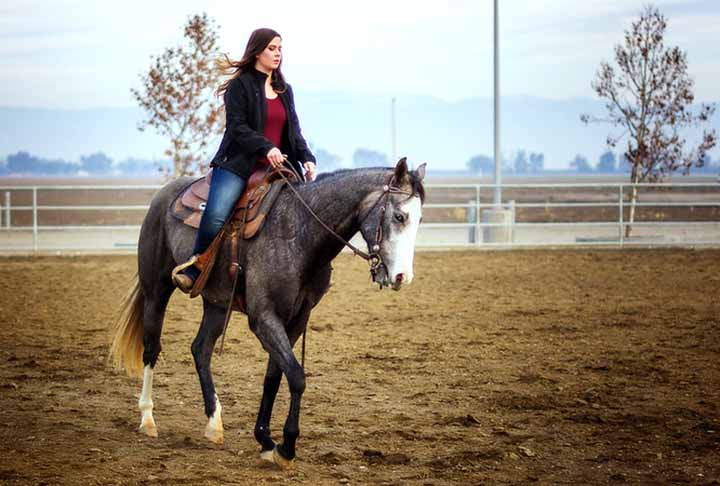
pixel 455 215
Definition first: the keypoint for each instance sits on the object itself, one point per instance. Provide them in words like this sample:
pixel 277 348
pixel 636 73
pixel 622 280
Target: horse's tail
pixel 126 347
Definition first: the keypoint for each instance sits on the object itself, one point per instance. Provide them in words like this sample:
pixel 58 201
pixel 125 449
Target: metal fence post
pixel 621 215
pixel 35 225
pixel 478 218
pixel 471 218
pixel 7 209
pixel 511 207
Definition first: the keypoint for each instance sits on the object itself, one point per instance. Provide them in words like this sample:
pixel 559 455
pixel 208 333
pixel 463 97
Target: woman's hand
pixel 275 157
pixel 309 170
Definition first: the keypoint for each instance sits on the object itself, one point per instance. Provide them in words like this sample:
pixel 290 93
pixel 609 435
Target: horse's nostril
pixel 399 277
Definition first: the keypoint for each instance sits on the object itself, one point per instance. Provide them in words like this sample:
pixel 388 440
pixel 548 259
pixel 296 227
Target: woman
pixel 261 125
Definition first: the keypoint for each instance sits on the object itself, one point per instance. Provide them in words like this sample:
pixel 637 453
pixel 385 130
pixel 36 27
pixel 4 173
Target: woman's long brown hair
pixel 259 40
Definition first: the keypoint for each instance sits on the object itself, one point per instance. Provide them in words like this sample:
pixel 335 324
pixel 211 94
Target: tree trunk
pixel 633 200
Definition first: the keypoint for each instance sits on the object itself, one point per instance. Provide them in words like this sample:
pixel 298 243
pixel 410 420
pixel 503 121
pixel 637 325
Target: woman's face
pixel 269 59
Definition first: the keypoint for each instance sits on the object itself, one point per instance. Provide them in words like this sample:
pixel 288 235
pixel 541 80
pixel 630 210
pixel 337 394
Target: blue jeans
pixel 226 187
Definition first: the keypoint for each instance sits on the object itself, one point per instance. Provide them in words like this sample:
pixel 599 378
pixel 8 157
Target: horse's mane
pixel 329 175
pixel 415 183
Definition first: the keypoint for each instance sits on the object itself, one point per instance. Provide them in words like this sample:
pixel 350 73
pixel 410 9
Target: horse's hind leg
pixel 202 348
pixel 156 300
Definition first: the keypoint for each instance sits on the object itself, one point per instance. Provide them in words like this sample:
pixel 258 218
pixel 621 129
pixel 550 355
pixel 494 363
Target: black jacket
pixel 245 113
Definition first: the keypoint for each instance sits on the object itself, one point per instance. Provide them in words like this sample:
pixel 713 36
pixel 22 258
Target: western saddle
pixel 247 220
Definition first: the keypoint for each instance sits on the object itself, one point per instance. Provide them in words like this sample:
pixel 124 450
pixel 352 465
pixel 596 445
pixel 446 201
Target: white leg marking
pixel 147 423
pixel 266 457
pixel 214 429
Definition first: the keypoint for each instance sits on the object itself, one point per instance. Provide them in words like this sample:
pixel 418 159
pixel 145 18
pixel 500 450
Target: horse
pixel 286 270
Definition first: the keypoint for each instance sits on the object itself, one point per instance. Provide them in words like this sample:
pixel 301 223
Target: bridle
pixel 373 257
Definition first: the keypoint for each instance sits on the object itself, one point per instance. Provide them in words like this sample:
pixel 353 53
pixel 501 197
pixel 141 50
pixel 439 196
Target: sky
pixel 85 54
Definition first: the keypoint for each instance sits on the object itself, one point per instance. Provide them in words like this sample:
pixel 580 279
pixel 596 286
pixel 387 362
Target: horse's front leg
pixel 271 384
pixel 202 349
pixel 272 334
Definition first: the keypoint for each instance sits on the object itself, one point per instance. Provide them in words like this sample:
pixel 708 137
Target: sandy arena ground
pixel 548 367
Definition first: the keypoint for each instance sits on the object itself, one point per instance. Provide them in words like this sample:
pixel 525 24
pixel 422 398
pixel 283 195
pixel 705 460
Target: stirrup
pixel 180 268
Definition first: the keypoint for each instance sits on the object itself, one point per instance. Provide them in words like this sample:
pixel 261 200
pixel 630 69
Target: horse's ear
pixel 401 169
pixel 420 172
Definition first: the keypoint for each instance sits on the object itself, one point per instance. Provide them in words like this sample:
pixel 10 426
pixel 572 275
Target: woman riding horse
pixel 286 268
pixel 261 125
pixel 286 271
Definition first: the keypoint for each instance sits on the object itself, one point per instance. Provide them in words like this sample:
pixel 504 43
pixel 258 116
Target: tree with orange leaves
pixel 177 96
pixel 649 96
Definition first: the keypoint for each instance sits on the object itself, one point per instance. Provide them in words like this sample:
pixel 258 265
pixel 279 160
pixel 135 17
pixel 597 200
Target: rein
pixel 374 256
pixel 355 250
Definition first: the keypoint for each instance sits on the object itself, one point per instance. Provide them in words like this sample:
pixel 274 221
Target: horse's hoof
pixel 274 459
pixel 214 435
pixel 267 456
pixel 214 428
pixel 266 459
pixel 282 463
pixel 148 428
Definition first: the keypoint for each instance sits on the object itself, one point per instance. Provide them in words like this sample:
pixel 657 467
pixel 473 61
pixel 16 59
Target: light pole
pixel 393 129
pixel 497 199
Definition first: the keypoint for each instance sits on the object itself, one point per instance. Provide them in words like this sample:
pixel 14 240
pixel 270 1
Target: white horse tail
pixel 126 347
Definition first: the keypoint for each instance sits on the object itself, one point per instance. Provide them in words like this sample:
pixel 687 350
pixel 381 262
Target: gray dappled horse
pixel 286 271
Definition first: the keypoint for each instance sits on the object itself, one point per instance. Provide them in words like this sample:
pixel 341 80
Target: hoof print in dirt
pixel 377 457
pixel 331 458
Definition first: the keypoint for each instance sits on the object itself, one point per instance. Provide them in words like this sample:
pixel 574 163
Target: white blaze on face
pixel 399 249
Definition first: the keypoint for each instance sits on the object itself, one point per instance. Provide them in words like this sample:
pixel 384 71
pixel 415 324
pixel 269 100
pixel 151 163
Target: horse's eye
pixel 399 218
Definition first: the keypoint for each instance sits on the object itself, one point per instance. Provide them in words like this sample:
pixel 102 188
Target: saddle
pixel 251 209
pixel 247 219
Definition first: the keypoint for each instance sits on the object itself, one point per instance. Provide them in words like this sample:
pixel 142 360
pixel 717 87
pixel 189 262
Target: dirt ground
pixel 547 367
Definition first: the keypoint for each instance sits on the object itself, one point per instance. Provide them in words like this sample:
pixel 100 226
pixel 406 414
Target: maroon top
pixel 274 124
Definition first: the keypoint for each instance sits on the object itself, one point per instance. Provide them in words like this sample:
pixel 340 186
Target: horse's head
pixel 390 227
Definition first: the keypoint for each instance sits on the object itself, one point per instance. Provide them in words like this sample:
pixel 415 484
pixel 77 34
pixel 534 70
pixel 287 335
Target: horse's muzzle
pixel 383 279
pixel 397 283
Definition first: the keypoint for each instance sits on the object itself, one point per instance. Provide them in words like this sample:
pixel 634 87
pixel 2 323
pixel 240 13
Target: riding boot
pixel 185 274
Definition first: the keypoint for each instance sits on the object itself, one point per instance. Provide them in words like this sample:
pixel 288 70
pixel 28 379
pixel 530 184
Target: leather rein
pixel 373 258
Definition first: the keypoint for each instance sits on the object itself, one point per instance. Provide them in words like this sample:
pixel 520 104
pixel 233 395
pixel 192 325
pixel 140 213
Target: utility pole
pixel 497 199
pixel 393 129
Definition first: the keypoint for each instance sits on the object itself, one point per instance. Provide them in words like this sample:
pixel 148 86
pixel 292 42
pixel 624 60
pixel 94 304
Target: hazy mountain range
pixel 444 134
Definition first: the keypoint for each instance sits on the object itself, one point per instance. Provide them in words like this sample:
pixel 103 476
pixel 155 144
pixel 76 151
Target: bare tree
pixel 649 96
pixel 177 95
